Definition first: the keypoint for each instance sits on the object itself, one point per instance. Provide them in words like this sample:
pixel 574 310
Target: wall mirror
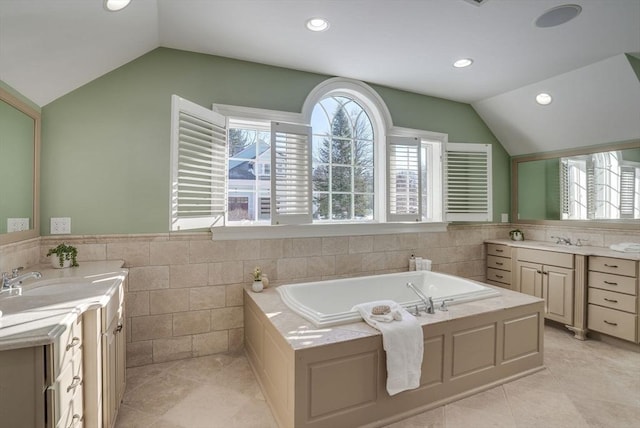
pixel 19 169
pixel 598 185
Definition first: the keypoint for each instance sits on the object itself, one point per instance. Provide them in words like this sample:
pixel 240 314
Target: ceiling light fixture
pixel 463 62
pixel 543 99
pixel 317 24
pixel 116 5
pixel 558 15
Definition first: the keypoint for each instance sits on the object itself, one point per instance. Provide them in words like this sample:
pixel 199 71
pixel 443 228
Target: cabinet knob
pixel 77 380
pixel 118 329
pixel 74 342
pixel 538 271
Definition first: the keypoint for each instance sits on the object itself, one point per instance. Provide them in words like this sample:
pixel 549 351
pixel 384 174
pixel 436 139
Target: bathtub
pixel 329 303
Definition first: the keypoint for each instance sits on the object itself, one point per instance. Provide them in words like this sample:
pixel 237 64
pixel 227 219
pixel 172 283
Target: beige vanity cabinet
pixel 499 265
pixel 42 386
pixel 613 297
pixel 550 276
pixel 105 360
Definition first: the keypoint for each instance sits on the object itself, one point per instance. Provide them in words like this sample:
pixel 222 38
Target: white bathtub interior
pixel 329 303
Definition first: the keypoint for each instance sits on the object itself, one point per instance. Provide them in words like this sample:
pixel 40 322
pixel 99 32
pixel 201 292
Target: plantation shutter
pixel 627 191
pixel 564 188
pixel 404 174
pixel 468 182
pixel 198 165
pixel 291 201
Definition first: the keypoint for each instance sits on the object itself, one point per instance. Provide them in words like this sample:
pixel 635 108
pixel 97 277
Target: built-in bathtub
pixel 335 376
pixel 330 303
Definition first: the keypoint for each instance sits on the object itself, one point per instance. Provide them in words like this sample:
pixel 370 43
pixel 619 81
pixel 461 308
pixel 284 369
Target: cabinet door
pixel 558 294
pixel 530 278
pixel 120 365
pixel 109 374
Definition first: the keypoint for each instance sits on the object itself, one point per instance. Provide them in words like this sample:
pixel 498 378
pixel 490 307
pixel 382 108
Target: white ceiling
pixel 50 47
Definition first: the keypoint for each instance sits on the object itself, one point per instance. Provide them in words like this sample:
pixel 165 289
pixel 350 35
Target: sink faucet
pixel 562 240
pixel 428 301
pixel 13 280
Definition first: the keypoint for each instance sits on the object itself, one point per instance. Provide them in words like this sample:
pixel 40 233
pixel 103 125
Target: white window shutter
pixel 468 182
pixel 404 176
pixel 198 166
pixel 627 191
pixel 291 200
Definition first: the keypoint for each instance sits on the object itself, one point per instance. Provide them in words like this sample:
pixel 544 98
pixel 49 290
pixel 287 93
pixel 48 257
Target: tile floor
pixel 584 384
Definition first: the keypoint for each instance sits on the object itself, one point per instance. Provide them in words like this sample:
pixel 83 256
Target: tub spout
pixel 428 301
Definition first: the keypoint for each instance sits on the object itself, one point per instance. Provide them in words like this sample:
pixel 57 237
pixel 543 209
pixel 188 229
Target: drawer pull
pixel 610 283
pixel 545 273
pixel 610 323
pixel 499 263
pixel 74 420
pixel 118 329
pixel 538 271
pixel 498 250
pixel 499 276
pixel 77 380
pixel 74 342
pixel 611 300
pixel 611 266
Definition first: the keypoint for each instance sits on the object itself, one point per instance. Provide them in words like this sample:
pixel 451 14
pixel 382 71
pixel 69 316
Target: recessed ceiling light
pixel 463 62
pixel 317 24
pixel 558 15
pixel 543 99
pixel 116 5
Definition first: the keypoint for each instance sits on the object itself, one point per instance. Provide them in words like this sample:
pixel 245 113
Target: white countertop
pixel 48 305
pixel 584 250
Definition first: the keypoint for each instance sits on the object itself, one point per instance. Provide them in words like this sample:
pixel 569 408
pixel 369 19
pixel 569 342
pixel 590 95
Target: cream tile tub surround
pixel 336 376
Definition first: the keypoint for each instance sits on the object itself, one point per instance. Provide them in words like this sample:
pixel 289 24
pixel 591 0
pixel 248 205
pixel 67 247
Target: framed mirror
pixel 595 186
pixel 19 169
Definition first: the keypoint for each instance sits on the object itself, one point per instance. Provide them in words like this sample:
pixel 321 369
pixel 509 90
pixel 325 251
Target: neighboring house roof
pixel 242 168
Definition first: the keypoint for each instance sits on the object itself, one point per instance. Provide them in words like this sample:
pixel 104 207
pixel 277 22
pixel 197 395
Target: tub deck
pixel 336 376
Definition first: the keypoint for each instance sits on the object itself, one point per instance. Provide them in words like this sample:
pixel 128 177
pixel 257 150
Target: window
pixel 343 161
pixel 349 166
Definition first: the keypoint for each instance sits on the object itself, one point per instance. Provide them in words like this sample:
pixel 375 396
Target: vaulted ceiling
pixel 51 47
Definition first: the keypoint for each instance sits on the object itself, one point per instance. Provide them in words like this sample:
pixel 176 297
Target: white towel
pixel 403 342
pixel 626 247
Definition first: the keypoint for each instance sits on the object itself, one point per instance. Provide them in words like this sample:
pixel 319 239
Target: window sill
pixel 226 233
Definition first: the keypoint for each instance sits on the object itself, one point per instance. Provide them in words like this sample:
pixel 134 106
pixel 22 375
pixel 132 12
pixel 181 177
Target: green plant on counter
pixel 257 274
pixel 65 252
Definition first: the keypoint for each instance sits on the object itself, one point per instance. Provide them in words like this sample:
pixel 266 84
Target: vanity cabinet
pixel 499 265
pixel 42 386
pixel 550 276
pixel 105 359
pixel 613 297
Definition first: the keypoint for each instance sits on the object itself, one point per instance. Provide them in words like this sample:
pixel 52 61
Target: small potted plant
pixel 257 285
pixel 516 235
pixel 66 256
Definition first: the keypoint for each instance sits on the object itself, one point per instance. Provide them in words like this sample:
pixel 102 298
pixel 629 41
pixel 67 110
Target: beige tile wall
pixel 184 294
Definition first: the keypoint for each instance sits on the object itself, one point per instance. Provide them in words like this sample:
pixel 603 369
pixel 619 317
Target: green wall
pixel 105 150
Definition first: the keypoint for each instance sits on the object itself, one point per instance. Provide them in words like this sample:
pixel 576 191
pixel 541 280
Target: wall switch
pixel 17 224
pixel 505 218
pixel 60 225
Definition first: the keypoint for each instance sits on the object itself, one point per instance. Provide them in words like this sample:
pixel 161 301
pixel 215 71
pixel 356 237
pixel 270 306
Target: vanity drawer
pixel 498 250
pixel 499 275
pixel 612 265
pixel 68 346
pixel 74 416
pixel 615 323
pixel 617 283
pixel 67 389
pixel 499 263
pixel 622 302
pixel 550 258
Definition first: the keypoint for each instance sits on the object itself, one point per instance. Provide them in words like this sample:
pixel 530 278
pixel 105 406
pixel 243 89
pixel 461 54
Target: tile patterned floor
pixel 584 384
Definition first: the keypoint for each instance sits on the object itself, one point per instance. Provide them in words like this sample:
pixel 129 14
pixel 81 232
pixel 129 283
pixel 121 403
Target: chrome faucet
pixel 428 301
pixel 13 280
pixel 562 240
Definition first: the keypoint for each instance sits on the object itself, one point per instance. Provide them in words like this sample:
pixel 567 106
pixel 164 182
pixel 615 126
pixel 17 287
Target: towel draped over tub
pixel 403 342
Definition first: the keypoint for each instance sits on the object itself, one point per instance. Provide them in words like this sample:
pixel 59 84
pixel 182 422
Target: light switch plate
pixel 17 224
pixel 505 218
pixel 60 225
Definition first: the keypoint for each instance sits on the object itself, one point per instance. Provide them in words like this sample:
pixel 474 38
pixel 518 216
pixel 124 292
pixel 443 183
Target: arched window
pixel 343 160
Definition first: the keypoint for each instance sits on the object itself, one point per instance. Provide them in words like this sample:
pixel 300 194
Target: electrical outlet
pixel 505 218
pixel 17 224
pixel 60 225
